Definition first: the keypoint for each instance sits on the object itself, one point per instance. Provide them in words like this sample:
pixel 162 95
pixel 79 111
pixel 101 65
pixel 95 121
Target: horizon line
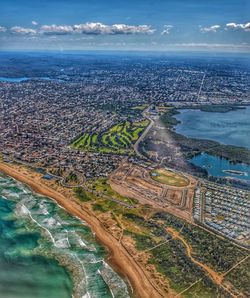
pixel 154 51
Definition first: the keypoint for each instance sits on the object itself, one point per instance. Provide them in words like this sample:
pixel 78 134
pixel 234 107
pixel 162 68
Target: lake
pixel 230 128
pixel 221 167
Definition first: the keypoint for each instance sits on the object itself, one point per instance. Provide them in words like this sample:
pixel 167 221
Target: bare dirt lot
pixel 136 182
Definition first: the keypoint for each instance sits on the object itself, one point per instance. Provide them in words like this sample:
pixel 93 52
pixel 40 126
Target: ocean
pixel 47 253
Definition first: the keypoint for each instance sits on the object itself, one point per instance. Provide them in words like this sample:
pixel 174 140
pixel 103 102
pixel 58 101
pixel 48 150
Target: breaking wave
pixel 66 239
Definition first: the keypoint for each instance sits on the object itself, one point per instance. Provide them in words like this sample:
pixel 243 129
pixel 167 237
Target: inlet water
pixel 221 167
pixel 230 128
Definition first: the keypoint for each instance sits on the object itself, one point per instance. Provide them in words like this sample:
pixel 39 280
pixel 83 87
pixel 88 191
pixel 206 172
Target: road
pixel 63 183
pixel 142 137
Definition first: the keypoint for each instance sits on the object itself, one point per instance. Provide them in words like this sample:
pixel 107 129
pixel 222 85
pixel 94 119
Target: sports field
pixel 169 178
pixel 117 139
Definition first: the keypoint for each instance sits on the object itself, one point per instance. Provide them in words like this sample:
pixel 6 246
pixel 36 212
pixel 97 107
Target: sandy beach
pixel 122 261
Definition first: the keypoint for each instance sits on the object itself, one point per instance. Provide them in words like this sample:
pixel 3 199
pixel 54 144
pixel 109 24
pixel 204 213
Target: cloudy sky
pixel 219 25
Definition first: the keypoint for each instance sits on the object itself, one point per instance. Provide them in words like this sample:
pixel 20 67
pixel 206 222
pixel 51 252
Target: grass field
pixel 117 139
pixel 141 107
pixel 102 185
pixel 168 177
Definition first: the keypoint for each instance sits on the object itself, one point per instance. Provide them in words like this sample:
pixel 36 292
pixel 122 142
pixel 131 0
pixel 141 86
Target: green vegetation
pixel 232 153
pixel 150 232
pixel 141 107
pixel 117 139
pixel 167 118
pixel 203 289
pixel 240 277
pixel 141 123
pixel 101 185
pixel 105 205
pixel 218 108
pixel 172 261
pixel 217 253
pixel 98 207
pixel 82 195
pixel 72 177
pixel 168 177
pixel 171 258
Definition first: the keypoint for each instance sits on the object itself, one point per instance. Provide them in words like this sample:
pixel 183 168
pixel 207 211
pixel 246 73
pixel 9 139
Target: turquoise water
pixel 47 253
pixel 216 166
pixel 231 128
pixel 13 80
pixel 18 80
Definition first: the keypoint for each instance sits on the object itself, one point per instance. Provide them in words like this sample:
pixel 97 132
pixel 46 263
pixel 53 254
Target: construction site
pixel 161 188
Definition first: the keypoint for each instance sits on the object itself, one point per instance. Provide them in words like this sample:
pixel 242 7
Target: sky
pixel 153 25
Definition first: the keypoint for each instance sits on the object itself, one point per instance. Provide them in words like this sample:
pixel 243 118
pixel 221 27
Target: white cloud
pixel 213 28
pixel 97 29
pixel 166 29
pixel 245 27
pixel 57 30
pixel 127 29
pixel 21 30
pixel 86 28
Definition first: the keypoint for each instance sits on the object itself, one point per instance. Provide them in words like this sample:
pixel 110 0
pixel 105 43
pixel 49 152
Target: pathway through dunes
pixel 218 278
pixel 214 275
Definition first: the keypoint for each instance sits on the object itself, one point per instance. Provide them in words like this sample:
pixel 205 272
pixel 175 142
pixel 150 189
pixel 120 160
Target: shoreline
pixel 119 258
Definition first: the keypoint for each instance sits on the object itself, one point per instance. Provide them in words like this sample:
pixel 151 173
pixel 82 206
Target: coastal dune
pixel 122 261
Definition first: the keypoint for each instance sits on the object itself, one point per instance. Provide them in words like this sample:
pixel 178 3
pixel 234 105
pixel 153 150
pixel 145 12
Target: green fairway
pixel 117 139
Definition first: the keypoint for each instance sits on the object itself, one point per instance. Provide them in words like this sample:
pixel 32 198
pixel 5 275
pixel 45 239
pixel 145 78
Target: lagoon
pixel 230 128
pixel 221 167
